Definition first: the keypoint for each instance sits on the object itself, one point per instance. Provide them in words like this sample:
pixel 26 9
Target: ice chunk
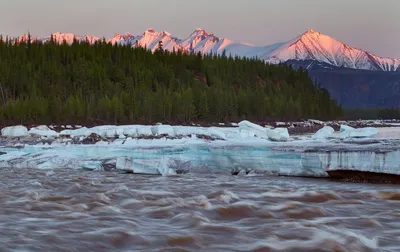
pixel 164 169
pixel 42 130
pixel 278 134
pixel 124 163
pixel 282 132
pixel 217 133
pixel 78 132
pixel 258 130
pixel 344 127
pixel 275 136
pixel 119 131
pixel 249 125
pixel 359 133
pixel 137 166
pixel 130 131
pixel 244 133
pixel 14 131
pixel 323 133
pixel 41 127
pixel 313 121
pixel 144 130
pixel 111 133
pixel 163 130
pixel 189 130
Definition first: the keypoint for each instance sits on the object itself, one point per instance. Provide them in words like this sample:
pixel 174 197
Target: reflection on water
pixel 70 210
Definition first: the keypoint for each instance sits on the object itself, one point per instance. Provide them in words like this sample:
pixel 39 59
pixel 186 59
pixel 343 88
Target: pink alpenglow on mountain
pixel 310 45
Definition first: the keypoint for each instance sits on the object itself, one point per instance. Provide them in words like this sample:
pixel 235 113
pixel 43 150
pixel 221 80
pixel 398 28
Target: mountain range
pixel 351 75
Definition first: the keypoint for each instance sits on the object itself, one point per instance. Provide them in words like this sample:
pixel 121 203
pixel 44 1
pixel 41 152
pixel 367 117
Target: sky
pixel 366 24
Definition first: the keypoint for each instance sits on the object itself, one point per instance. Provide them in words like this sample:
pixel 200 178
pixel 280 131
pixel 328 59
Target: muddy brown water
pixel 77 210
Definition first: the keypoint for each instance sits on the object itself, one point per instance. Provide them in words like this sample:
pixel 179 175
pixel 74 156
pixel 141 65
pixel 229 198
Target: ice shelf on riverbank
pixel 168 150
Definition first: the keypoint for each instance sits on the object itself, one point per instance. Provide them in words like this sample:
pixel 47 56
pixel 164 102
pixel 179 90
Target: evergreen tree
pixel 160 46
pixel 120 84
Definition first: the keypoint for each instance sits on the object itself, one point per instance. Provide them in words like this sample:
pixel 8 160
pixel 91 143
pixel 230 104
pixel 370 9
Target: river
pixel 80 210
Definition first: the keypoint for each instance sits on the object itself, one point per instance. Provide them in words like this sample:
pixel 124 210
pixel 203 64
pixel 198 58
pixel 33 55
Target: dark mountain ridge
pixel 355 87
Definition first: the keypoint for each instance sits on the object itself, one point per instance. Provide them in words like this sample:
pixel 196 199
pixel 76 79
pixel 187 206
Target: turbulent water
pixel 78 210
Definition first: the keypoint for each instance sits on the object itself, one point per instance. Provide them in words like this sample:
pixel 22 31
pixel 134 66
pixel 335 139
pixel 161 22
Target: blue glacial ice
pixel 247 147
pixel 300 158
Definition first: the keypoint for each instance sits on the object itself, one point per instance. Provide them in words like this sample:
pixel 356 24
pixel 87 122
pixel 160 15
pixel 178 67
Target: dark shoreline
pixel 363 176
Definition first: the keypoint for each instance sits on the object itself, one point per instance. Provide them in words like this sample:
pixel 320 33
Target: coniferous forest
pixel 101 83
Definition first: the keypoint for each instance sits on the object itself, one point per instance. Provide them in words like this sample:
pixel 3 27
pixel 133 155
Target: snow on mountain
pixel 123 39
pixel 313 45
pixel 205 43
pixel 69 38
pixel 25 38
pixel 149 39
pixel 61 37
pixel 90 39
pixel 310 45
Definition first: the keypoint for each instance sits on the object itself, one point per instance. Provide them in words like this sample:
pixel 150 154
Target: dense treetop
pixel 102 83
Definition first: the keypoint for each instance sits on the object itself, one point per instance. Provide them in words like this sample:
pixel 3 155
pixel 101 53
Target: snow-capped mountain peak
pixel 200 32
pixel 123 39
pixel 150 30
pixel 311 31
pixel 25 37
pixel 311 45
pixel 67 37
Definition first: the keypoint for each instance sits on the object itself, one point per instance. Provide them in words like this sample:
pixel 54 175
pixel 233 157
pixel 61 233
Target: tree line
pixel 102 83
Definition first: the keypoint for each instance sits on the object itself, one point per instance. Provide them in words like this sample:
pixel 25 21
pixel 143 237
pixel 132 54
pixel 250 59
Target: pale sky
pixel 371 25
